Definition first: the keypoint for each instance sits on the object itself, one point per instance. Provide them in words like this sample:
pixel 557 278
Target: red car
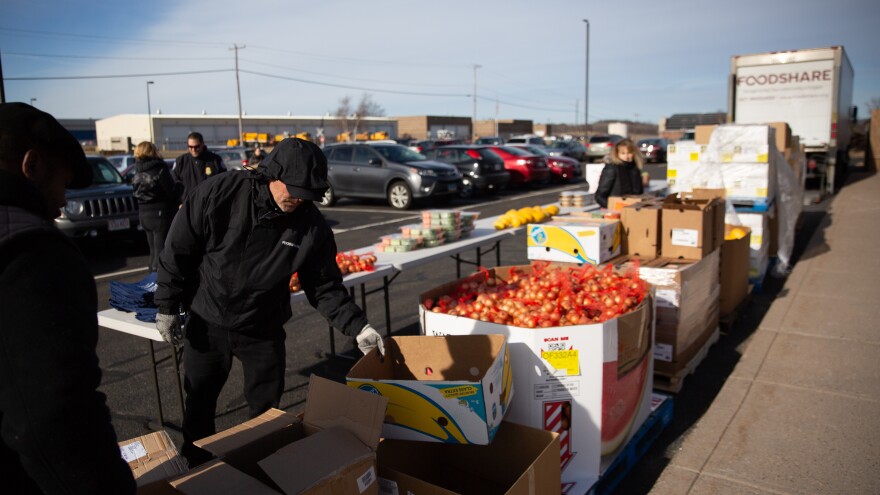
pixel 562 168
pixel 524 166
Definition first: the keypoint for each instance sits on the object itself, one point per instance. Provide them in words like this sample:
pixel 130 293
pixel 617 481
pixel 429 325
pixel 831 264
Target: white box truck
pixel 810 89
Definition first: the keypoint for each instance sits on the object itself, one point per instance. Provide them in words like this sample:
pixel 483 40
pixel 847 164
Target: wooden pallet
pixel 660 418
pixel 727 321
pixel 673 383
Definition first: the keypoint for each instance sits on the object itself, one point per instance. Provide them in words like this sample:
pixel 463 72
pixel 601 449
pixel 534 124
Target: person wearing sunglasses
pixel 196 166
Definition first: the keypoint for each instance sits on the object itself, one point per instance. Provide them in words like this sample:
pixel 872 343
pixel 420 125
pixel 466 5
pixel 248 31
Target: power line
pixel 118 76
pixel 345 77
pixel 98 57
pixel 33 32
pixel 524 106
pixel 324 56
pixel 345 86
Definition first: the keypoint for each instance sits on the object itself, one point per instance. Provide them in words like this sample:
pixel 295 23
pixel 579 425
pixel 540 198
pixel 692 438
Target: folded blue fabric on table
pixel 135 297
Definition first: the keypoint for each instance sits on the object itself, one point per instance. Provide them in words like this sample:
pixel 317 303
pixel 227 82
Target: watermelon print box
pixel 452 390
pixel 589 383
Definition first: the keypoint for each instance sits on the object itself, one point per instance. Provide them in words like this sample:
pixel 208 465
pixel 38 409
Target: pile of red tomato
pixel 348 263
pixel 549 296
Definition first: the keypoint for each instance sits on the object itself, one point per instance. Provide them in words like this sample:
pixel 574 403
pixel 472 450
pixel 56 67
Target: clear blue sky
pixel 648 59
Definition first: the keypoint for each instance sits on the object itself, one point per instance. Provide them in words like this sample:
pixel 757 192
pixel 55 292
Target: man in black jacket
pixel 228 260
pixel 55 425
pixel 196 166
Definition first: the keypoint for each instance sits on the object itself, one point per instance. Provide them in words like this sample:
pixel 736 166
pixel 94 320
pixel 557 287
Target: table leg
pixel 156 384
pixel 479 258
pixel 457 266
pixel 176 361
pixel 497 253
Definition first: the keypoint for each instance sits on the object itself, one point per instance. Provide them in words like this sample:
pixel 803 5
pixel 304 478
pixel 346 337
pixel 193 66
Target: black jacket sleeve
pixel 179 262
pixel 170 187
pixel 606 184
pixel 322 283
pixel 51 413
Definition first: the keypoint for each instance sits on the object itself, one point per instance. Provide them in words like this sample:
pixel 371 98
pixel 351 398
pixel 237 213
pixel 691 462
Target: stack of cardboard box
pixel 683 166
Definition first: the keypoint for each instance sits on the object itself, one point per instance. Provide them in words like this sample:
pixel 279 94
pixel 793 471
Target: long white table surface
pixel 380 270
pixel 126 322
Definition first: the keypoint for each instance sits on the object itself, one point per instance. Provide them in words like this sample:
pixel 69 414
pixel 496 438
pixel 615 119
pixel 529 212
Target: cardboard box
pixel 574 240
pixel 782 133
pixel 152 457
pixel 759 224
pixel 618 203
pixel 687 295
pixel 702 133
pixel 641 225
pixel 597 377
pixel 439 389
pixel 691 228
pixel 330 450
pixel 685 153
pixel 734 270
pixel 521 460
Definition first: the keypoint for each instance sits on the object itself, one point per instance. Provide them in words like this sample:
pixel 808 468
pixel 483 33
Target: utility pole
pixel 149 111
pixel 577 105
pixel 2 91
pixel 474 121
pixel 587 85
pixel 236 48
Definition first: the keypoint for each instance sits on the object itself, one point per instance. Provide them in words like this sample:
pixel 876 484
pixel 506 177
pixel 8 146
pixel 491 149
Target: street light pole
pixel 236 48
pixel 587 83
pixel 149 111
pixel 474 120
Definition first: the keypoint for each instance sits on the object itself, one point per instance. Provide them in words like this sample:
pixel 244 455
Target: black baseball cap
pixel 38 129
pixel 300 165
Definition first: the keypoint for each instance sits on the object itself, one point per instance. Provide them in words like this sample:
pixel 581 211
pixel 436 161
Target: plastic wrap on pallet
pixel 737 143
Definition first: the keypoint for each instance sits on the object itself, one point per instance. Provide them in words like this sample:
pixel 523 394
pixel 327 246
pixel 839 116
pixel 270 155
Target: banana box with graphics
pixel 453 390
pixel 576 240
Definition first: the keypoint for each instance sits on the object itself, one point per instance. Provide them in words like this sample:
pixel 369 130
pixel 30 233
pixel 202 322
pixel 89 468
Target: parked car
pixel 121 162
pixel 536 140
pixel 562 168
pixel 570 148
pixel 524 166
pixel 600 145
pixel 688 137
pixel 234 158
pixel 654 149
pixel 391 171
pixel 496 140
pixel 482 170
pixel 107 206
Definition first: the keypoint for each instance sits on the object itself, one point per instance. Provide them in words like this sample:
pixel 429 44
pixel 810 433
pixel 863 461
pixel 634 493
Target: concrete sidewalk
pixel 799 412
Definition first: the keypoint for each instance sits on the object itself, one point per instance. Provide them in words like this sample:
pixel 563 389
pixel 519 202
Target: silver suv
pixel 390 171
pixel 107 206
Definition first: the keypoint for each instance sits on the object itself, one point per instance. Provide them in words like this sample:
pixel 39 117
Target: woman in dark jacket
pixel 158 197
pixel 622 173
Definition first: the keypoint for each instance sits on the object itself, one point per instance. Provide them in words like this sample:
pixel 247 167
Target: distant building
pixel 505 127
pixel 82 129
pixel 120 132
pixel 674 126
pixel 433 127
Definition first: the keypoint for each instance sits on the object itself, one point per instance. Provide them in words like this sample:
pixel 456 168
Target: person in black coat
pixel 55 429
pixel 622 173
pixel 158 197
pixel 228 260
pixel 196 166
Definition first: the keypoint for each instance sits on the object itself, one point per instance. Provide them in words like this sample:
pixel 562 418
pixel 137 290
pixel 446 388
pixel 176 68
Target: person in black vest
pixel 228 260
pixel 158 197
pixel 55 429
pixel 622 173
pixel 194 167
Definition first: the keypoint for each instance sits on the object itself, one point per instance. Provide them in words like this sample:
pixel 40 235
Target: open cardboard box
pixel 440 389
pixel 589 383
pixel 152 457
pixel 330 450
pixel 734 270
pixel 642 223
pixel 520 460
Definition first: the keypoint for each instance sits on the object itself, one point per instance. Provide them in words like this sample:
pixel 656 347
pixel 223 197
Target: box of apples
pixel 580 340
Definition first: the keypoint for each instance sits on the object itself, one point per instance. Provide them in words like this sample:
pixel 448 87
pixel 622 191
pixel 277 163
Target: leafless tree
pixel 367 107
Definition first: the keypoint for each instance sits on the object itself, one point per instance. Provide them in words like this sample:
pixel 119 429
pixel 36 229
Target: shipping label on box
pixel 450 390
pixel 590 383
pixel 691 228
pixel 152 457
pixel 580 241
